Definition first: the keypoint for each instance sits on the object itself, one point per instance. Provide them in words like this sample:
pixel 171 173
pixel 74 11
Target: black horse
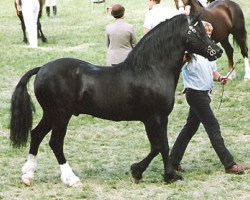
pixel 141 88
pixel 39 26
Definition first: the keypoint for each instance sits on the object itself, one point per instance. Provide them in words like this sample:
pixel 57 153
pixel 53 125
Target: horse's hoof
pixel 27 180
pixel 25 41
pixel 136 181
pixel 44 40
pixel 77 184
pixel 170 178
pixel 136 172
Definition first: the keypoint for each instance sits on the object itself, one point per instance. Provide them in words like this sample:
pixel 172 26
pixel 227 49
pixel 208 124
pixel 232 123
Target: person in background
pixel 30 10
pixel 120 37
pixel 198 75
pixel 158 13
pixel 51 4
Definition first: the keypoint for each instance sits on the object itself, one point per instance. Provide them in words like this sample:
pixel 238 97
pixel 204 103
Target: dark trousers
pixel 200 112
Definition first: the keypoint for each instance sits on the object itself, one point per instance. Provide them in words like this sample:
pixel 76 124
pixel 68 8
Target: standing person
pixel 158 13
pixel 30 10
pixel 51 4
pixel 120 37
pixel 198 75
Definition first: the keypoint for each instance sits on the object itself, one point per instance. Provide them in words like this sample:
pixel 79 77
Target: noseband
pixel 191 29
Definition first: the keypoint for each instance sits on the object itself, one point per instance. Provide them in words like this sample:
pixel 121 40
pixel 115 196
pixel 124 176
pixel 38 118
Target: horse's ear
pixel 193 18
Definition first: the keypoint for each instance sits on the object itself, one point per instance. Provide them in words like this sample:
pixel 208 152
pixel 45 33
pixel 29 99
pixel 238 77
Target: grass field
pixel 101 152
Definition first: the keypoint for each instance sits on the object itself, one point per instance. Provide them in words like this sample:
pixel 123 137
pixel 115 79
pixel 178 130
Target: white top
pixel 158 14
pixel 198 74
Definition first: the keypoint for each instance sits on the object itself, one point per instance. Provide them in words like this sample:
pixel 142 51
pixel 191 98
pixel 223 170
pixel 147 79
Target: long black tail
pixel 21 111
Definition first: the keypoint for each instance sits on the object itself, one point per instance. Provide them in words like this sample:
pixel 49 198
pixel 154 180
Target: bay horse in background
pixel 226 18
pixel 142 88
pixel 40 34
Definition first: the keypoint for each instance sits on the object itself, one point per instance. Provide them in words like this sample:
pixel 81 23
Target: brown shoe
pixel 236 169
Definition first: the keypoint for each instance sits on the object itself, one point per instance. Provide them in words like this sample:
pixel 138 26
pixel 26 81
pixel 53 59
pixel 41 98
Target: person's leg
pixel 183 139
pixel 33 25
pixel 47 5
pixel 48 11
pixel 54 10
pixel 54 7
pixel 202 109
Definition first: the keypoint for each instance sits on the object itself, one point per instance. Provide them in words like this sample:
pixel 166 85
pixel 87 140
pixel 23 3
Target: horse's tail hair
pixel 21 111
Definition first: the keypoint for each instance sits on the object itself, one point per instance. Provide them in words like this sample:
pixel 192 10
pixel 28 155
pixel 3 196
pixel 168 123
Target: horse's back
pixel 230 15
pixel 226 8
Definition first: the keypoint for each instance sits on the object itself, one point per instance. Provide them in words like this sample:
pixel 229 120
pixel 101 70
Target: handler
pixel 198 75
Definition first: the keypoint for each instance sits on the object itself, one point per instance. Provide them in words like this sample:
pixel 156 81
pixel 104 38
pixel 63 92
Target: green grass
pixel 101 152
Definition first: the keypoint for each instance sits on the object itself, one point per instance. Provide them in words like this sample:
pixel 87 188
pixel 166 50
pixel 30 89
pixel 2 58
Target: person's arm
pixel 133 38
pixel 107 38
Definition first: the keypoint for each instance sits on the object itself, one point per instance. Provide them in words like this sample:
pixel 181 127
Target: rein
pixel 223 86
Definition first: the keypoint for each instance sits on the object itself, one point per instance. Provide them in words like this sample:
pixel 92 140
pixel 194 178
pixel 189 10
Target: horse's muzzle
pixel 214 53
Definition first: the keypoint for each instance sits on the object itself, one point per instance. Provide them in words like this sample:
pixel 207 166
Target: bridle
pixel 191 29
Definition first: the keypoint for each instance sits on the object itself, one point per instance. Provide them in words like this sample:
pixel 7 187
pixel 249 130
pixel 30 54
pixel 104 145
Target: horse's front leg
pixel 169 174
pixel 156 129
pixel 137 169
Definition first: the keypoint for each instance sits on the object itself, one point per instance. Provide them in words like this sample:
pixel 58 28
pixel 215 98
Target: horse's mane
pixel 160 42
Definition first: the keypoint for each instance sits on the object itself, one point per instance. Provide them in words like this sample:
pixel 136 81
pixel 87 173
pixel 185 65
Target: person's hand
pixel 222 80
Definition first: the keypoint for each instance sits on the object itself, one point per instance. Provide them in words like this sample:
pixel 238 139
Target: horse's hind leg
pixel 39 31
pixel 241 39
pixel 56 143
pixel 37 135
pixel 229 51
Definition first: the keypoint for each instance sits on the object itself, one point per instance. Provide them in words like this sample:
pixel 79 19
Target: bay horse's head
pixel 195 4
pixel 197 41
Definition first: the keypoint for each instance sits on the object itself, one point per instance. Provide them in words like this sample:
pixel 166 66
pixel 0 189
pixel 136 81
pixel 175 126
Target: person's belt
pixel 193 90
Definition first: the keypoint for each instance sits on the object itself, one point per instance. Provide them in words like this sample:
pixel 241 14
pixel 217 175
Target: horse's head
pixel 197 41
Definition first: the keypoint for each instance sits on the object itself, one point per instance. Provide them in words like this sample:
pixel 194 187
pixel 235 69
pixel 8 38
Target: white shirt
pixel 198 74
pixel 158 14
